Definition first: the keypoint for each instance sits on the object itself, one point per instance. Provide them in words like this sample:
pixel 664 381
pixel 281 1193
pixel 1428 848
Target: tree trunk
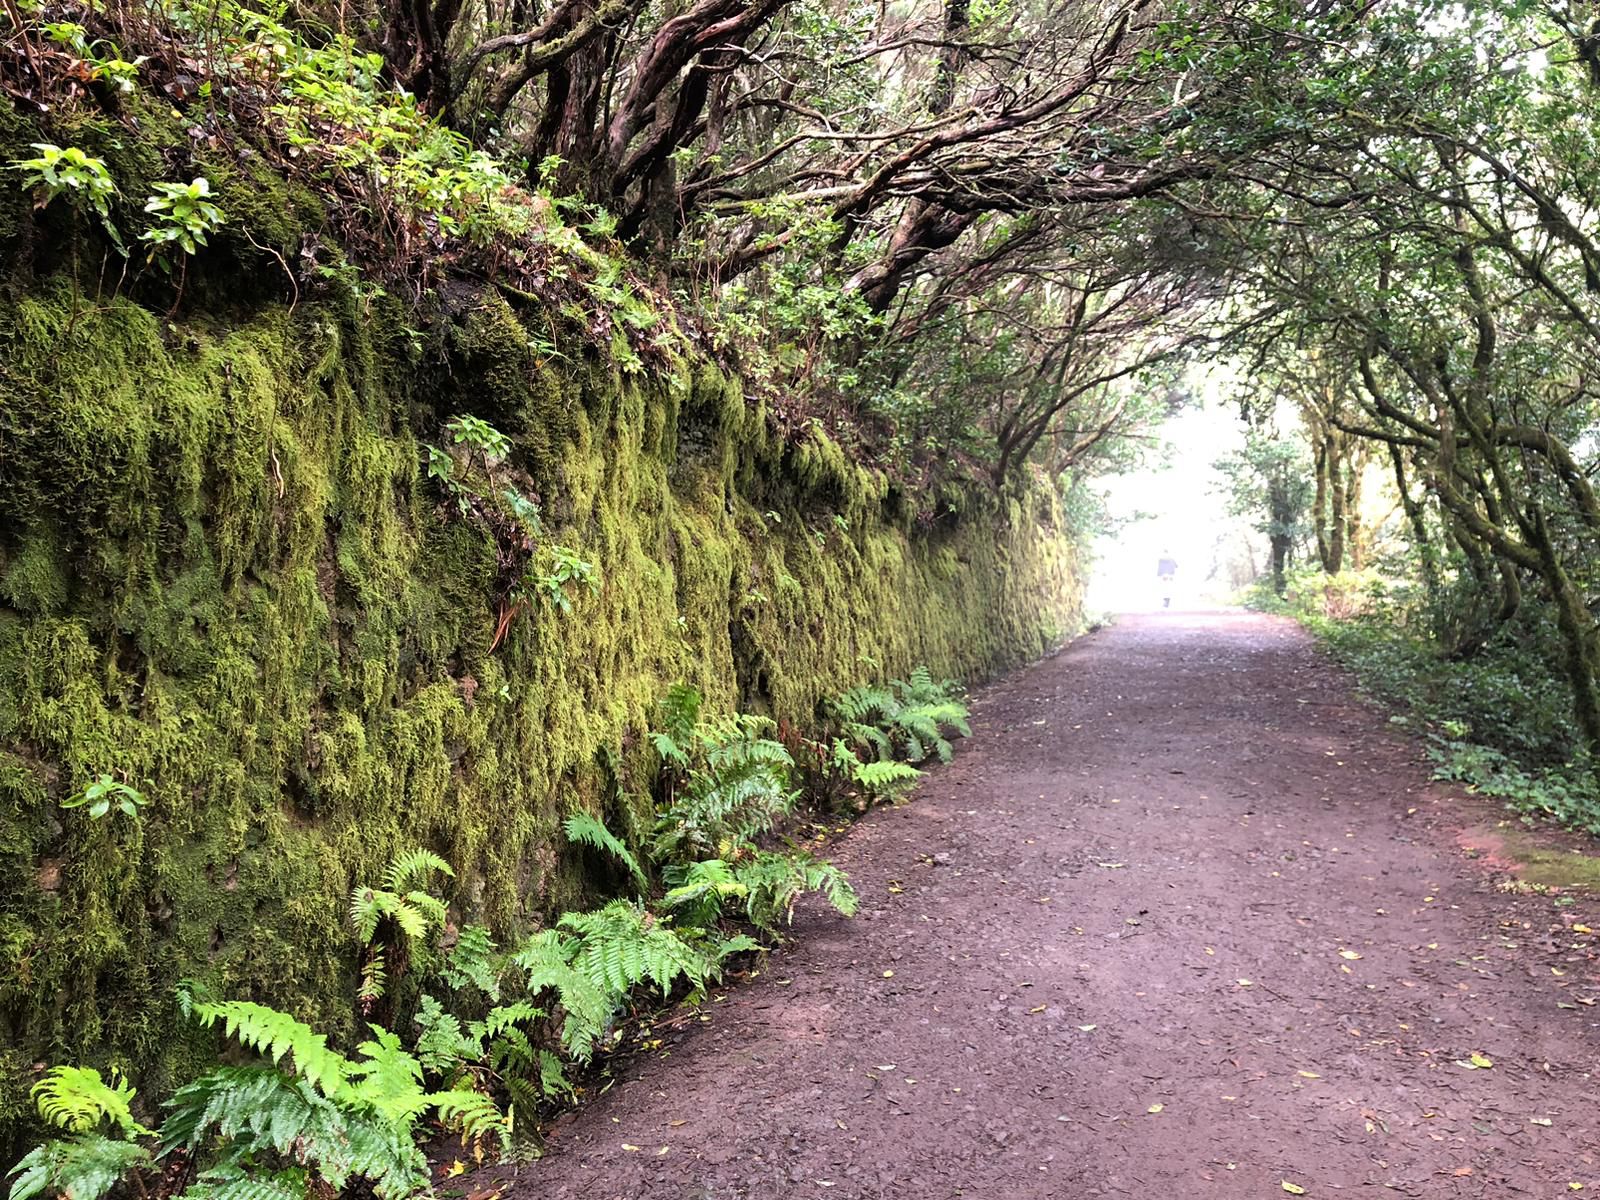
pixel 1281 544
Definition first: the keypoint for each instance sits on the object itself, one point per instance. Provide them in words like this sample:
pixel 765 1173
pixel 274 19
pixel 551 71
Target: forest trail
pixel 1071 911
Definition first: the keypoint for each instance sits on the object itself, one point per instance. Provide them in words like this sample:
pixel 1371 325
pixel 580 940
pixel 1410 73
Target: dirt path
pixel 1045 992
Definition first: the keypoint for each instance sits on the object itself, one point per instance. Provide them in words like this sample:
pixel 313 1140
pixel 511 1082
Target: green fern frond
pixel 582 828
pixel 552 1076
pixel 834 885
pixel 680 714
pixel 408 870
pixel 257 1110
pixel 274 1035
pixel 775 881
pixel 545 957
pixel 77 1099
pixel 442 1044
pixel 623 945
pixel 885 778
pixel 368 906
pixel 475 960
pixel 472 1114
pixel 84 1167
pixel 388 1079
pixel 234 1183
pixel 739 943
pixel 505 1016
pixel 261 1109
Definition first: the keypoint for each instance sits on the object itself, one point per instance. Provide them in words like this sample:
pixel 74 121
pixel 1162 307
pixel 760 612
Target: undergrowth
pixel 467 1036
pixel 1497 719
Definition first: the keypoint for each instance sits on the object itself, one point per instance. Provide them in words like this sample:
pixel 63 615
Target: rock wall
pixel 226 578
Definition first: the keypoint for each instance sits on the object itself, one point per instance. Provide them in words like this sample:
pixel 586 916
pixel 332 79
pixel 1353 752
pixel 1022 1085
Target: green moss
pixel 224 577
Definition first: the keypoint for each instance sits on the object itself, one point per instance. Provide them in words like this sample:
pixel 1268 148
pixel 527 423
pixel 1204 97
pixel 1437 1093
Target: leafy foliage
pixel 82 1167
pixel 412 908
pixel 905 720
pixel 729 781
pixel 623 945
pixel 584 829
pixel 184 215
pixel 104 794
pixel 77 1099
pixel 70 172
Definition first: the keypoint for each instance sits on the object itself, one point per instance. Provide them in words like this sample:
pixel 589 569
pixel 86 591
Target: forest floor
pixel 1184 918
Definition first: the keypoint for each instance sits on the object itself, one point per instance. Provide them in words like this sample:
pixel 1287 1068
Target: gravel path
pixel 1184 919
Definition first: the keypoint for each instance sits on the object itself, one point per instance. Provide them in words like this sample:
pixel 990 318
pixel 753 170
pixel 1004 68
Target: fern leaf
pixel 553 1079
pixel 886 777
pixel 388 1079
pixel 84 1167
pixel 472 1114
pixel 274 1035
pixel 589 831
pixel 474 960
pixel 259 1108
pixel 406 871
pixel 234 1183
pixel 442 1044
pixel 739 943
pixel 77 1099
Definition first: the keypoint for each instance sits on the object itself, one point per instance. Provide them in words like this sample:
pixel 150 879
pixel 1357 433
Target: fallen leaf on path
pixel 629 1146
pixel 1087 1028
pixel 1246 983
pixel 1539 1120
pixel 1039 1009
pixel 888 974
pixel 1294 1189
pixel 1351 954
pixel 1308 1074
pixel 1155 1108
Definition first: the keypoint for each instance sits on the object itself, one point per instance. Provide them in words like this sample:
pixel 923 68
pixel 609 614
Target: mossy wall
pixel 225 577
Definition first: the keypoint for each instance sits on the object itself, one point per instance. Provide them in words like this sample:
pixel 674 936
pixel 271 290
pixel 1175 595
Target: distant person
pixel 1166 572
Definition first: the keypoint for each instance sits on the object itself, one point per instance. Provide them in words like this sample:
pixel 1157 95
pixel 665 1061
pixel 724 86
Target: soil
pixel 1184 918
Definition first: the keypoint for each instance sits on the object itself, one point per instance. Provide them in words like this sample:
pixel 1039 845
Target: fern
pixel 774 881
pixel 739 943
pixel 233 1183
pixel 387 1078
pixel 411 908
pixel 273 1035
pixel 545 957
pixel 879 778
pixel 255 1111
pixel 84 1167
pixel 77 1099
pixel 442 1044
pixel 581 828
pixel 473 1114
pixel 474 960
pixel 905 720
pixel 742 788
pixel 680 715
pixel 623 945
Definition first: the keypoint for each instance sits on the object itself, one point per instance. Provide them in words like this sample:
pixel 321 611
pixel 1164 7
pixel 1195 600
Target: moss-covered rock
pixel 225 578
